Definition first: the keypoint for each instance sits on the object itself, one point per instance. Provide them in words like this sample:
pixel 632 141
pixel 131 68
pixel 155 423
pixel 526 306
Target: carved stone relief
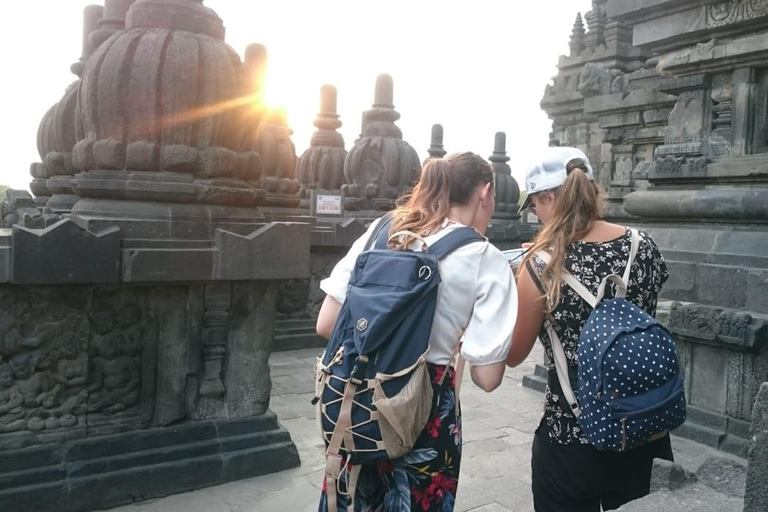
pixel 62 360
pixel 735 11
pixel 713 324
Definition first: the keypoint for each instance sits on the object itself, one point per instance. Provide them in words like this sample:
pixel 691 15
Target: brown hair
pixel 443 182
pixel 579 202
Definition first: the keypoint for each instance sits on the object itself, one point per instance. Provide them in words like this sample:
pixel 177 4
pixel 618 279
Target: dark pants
pixel 580 478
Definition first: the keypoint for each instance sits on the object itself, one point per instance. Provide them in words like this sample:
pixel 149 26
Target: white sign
pixel 328 205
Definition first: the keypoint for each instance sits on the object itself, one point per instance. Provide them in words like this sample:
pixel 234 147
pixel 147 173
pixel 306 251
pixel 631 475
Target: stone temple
pixel 174 239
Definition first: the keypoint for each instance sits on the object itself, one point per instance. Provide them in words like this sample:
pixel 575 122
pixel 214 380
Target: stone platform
pixel 129 467
pixel 495 469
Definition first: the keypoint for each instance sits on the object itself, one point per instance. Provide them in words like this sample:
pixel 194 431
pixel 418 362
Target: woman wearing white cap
pixel 569 474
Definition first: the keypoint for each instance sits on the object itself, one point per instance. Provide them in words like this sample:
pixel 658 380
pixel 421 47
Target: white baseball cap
pixel 549 171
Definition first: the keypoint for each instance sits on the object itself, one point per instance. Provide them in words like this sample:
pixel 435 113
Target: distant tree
pixel 3 189
pixel 523 195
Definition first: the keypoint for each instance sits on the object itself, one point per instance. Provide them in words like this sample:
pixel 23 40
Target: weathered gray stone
pixel 321 167
pixel 670 476
pixel 756 497
pixel 135 331
pixel 381 166
pixel 723 475
pixel 696 497
pixel 436 149
pixel 506 188
pixel 65 253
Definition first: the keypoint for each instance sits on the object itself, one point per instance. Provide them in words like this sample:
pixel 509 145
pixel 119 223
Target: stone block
pixel 113 446
pixel 35 498
pixel 722 286
pixel 681 284
pixel 672 25
pixel 167 264
pixel 622 119
pixel 249 344
pixel 42 475
pixel 735 445
pixel 668 475
pixel 756 495
pixel 126 487
pixel 173 323
pixel 142 156
pixel 179 158
pixel 707 419
pixel 276 251
pixel 116 470
pixel 109 154
pixel 656 115
pixel 65 253
pixel 709 378
pixel 703 435
pixel 757 291
pixel 219 162
pixel 723 475
pixel 259 461
pixel 698 497
pixel 82 155
pixel 739 428
pixel 29 458
pixel 348 231
pixel 104 465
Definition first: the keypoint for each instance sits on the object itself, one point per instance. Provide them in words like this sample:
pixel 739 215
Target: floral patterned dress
pixel 424 479
pixel 590 262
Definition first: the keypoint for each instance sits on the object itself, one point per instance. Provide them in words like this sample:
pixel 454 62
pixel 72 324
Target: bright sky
pixel 476 67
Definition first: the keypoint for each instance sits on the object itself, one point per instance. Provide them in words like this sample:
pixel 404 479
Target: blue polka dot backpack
pixel 630 388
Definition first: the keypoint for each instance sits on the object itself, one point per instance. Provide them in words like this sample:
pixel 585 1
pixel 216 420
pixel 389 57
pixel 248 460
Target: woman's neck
pixel 462 215
pixel 601 231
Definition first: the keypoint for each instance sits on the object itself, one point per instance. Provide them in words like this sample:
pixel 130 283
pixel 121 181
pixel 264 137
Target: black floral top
pixel 590 262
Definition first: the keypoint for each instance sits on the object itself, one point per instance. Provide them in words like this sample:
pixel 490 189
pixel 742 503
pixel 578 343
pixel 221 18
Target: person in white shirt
pixel 476 305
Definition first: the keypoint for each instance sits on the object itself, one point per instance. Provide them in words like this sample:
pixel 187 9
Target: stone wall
pixel 92 378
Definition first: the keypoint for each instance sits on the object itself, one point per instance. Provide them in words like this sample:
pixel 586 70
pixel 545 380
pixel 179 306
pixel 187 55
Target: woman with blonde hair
pixel 476 299
pixel 569 474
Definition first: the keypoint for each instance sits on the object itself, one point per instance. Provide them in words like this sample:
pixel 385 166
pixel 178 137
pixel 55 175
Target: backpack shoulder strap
pixel 634 246
pixel 380 235
pixel 454 240
pixel 558 352
pixel 621 282
pixel 561 367
pixel 571 281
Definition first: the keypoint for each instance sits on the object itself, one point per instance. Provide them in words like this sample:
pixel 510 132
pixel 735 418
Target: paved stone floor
pixel 495 469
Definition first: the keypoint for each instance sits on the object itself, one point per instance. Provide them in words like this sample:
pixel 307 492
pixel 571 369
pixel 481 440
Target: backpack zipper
pixel 623 433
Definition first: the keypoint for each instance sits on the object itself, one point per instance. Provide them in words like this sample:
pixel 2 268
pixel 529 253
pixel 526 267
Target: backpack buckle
pixel 358 372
